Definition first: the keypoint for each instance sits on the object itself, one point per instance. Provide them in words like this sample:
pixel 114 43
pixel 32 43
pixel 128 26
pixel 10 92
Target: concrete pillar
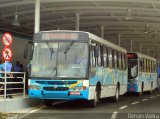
pixel 37 16
pixel 131 46
pixel 102 31
pixel 119 39
pixel 77 21
pixel 140 48
pixel 148 51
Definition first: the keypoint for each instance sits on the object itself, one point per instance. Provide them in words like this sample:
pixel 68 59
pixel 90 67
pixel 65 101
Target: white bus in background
pixel 142 73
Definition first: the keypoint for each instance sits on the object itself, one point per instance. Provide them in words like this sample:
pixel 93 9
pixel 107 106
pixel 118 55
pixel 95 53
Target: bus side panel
pixel 109 82
pixel 124 84
pixel 98 77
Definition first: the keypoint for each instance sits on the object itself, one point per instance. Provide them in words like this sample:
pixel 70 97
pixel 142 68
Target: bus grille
pixel 56 89
pixel 57 82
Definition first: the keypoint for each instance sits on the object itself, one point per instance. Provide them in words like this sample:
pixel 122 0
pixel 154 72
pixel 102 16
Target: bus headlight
pixel 78 88
pixel 34 87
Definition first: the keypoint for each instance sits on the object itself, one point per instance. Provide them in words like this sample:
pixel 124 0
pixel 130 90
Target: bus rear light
pixel 78 88
pixel 84 87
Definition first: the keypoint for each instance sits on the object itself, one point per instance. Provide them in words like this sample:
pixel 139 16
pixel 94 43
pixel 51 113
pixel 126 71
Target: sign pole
pixel 5 87
pixel 7 56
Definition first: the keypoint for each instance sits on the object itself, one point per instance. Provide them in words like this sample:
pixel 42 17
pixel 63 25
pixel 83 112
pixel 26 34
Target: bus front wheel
pixel 93 103
pixel 48 103
pixel 116 97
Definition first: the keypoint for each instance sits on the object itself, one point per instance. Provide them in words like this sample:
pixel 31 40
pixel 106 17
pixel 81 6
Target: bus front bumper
pixel 132 88
pixel 59 95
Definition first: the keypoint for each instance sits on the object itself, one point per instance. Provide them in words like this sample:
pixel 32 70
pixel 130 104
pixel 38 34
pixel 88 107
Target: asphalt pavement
pixel 129 106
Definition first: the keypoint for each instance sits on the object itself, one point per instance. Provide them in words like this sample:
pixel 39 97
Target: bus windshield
pixel 132 68
pixel 60 59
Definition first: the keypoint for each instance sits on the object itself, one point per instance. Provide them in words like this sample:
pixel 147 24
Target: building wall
pixel 17 48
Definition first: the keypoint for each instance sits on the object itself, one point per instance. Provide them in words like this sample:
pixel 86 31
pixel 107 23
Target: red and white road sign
pixel 7 39
pixel 7 54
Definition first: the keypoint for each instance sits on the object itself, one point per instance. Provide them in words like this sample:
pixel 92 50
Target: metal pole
pixel 140 48
pixel 158 72
pixel 119 39
pixel 24 89
pixel 131 45
pixel 77 21
pixel 102 31
pixel 5 86
pixel 37 16
pixel 148 51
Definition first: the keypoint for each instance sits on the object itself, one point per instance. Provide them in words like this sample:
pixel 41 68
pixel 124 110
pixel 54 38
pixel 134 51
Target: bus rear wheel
pixel 141 92
pixel 48 102
pixel 116 97
pixel 151 90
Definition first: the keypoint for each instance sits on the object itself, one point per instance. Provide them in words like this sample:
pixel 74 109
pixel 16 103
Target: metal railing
pixel 13 84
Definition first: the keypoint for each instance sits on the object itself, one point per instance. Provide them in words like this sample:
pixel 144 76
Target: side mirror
pixel 141 63
pixel 27 48
pixel 92 72
pixel 96 51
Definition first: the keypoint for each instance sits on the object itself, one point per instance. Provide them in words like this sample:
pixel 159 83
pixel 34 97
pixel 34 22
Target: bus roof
pixel 144 56
pixel 94 38
pixel 103 41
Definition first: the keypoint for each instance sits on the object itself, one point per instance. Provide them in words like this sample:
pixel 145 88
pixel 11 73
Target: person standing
pixel 17 67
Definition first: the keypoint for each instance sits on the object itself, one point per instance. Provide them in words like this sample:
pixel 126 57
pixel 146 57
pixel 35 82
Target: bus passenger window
pixel 120 60
pixel 117 60
pixel 92 58
pixel 105 55
pixel 99 57
pixel 110 57
pixel 113 59
pixel 101 53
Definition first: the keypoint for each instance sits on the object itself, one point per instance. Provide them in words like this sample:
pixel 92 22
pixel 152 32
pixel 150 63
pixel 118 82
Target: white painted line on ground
pixel 158 95
pixel 114 115
pixel 123 107
pixel 37 109
pixel 45 106
pixel 34 110
pixel 145 99
pixel 151 97
pixel 134 103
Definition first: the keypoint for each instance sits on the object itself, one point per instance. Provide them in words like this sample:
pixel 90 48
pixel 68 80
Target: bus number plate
pixel 75 93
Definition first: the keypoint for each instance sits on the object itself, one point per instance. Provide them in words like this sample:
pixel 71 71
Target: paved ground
pixel 129 107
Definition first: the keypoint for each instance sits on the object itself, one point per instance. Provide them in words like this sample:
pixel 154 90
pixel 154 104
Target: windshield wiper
pixel 51 49
pixel 68 48
pixel 54 69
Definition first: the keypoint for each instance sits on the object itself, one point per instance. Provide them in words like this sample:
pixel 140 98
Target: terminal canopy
pixel 135 21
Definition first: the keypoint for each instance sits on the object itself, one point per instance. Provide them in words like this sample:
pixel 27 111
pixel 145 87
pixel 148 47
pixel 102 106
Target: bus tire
pixel 151 90
pixel 116 97
pixel 141 92
pixel 93 103
pixel 48 102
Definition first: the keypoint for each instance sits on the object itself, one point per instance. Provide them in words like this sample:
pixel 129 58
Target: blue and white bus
pixel 73 65
pixel 142 74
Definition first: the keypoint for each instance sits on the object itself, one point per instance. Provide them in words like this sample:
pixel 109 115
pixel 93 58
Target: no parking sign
pixel 7 40
pixel 7 54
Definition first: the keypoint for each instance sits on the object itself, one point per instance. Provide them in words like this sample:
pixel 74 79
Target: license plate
pixel 132 89
pixel 75 93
